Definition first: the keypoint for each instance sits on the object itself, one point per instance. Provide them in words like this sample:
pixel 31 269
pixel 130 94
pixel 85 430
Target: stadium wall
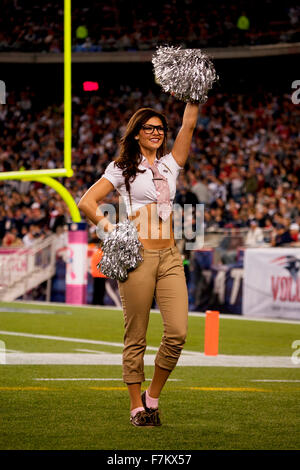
pixel 145 56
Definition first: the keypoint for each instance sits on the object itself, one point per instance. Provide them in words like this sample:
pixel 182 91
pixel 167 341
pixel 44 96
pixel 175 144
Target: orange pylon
pixel 211 336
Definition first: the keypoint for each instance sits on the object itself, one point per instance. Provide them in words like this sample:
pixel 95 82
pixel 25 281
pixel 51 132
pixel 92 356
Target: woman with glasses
pixel 145 176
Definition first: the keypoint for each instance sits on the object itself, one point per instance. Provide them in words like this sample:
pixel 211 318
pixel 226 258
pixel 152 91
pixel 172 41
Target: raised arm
pixel 88 204
pixel 183 140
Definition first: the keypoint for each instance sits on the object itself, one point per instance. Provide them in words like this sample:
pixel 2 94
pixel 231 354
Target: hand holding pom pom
pixel 120 251
pixel 187 74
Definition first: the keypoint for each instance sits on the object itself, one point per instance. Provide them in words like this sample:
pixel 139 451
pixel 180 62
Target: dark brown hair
pixel 130 152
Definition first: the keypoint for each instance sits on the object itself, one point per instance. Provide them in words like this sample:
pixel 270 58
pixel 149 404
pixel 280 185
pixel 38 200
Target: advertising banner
pixel 272 282
pixel 215 287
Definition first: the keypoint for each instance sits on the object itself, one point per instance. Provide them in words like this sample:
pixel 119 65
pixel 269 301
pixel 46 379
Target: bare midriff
pixel 154 233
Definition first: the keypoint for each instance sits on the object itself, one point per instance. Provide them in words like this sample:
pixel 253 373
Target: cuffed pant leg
pixel 172 298
pixel 137 294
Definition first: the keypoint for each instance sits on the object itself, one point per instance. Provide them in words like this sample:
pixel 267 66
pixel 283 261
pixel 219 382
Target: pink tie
pixel 164 206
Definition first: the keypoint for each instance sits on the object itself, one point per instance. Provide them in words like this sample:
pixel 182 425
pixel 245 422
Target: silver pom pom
pixel 186 73
pixel 120 251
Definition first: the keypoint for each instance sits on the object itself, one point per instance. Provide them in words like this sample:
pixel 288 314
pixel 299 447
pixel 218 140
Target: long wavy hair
pixel 130 153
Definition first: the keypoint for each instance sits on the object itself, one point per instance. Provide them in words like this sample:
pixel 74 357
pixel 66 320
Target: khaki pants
pixel 161 274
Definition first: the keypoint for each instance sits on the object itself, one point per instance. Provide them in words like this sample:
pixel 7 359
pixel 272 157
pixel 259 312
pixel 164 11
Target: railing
pixel 235 236
pixel 22 269
pixel 226 245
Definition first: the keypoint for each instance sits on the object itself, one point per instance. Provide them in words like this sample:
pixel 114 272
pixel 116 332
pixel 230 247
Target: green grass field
pixel 202 407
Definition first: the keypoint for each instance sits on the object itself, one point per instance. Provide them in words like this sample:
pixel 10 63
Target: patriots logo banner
pixel 291 263
pixel 271 285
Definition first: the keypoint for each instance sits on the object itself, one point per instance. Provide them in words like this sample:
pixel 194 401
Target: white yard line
pixel 116 359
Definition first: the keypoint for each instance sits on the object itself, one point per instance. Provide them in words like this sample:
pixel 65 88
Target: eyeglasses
pixel 149 129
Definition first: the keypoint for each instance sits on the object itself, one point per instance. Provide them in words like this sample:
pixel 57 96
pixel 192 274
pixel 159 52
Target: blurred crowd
pixel 133 25
pixel 244 164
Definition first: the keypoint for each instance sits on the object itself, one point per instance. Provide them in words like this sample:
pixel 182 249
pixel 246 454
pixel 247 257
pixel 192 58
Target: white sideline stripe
pixel 98 379
pixel 273 380
pixel 90 351
pixel 64 338
pixel 31 311
pixel 102 352
pixel 10 351
pixel 79 340
pixel 192 314
pixel 116 359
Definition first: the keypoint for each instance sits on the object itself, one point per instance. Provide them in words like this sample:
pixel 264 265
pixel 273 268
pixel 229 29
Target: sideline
pixel 199 360
pixel 191 314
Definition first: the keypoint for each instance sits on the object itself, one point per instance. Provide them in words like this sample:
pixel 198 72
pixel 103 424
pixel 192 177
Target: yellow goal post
pixel 47 176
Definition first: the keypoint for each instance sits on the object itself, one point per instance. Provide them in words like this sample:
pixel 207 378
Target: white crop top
pixel 142 189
